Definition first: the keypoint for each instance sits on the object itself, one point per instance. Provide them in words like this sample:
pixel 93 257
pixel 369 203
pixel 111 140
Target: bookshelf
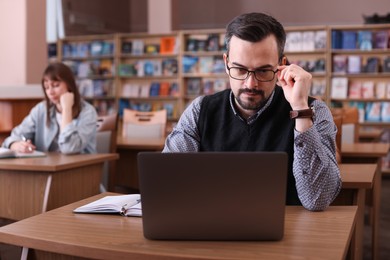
pixel 149 74
pixel 131 66
pixel 93 61
pixel 308 47
pixel 360 71
pixel 203 68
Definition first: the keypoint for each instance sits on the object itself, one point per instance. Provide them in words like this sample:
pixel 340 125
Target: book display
pixel 359 57
pixel 92 60
pixel 203 68
pixel 148 72
pixel 350 65
pixel 307 47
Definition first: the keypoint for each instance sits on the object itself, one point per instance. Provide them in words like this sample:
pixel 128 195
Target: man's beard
pixel 251 104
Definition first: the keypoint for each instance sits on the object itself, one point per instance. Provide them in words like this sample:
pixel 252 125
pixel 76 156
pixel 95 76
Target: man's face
pixel 251 94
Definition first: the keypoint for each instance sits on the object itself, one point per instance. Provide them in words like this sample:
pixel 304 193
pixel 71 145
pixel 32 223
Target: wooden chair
pixel 140 124
pixel 106 143
pixel 350 123
pixel 338 120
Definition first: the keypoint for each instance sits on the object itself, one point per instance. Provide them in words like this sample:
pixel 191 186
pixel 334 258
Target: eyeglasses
pixel 262 75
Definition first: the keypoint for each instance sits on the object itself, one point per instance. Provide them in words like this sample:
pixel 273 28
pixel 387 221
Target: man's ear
pixel 284 61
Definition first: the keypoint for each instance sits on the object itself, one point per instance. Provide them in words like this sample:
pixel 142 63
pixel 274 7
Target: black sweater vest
pixel 273 130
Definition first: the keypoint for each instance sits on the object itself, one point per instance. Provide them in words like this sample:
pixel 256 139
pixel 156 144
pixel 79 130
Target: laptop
pixel 213 195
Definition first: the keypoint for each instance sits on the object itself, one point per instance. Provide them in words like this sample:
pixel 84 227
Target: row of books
pixel 104 107
pixel 360 39
pixel 156 68
pixel 343 88
pixel 314 65
pixel 343 64
pixel 170 107
pixel 205 42
pixel 318 88
pixel 96 88
pixel 373 111
pixel 199 86
pixel 154 89
pixel 90 68
pixel 305 41
pixel 87 49
pixel 166 45
pixel 204 64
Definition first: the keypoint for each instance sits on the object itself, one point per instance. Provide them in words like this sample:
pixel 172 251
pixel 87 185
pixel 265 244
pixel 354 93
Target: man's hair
pixel 254 27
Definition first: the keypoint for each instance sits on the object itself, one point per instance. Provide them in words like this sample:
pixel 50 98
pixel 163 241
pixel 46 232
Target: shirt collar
pixel 253 118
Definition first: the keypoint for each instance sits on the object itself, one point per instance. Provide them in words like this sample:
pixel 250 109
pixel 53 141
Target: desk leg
pixel 24 253
pixel 357 241
pixel 46 194
pixel 375 211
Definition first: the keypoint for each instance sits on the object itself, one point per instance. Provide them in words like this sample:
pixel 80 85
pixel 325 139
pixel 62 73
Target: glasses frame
pixel 248 72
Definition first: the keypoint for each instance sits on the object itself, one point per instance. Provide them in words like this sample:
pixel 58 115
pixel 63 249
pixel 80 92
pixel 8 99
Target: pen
pixel 25 140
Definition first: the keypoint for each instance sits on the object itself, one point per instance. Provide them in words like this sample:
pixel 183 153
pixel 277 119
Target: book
pixel 385 112
pixel 373 111
pixel 381 39
pixel 354 64
pixel 365 40
pixel 167 45
pixel 125 205
pixel 339 88
pixel 340 64
pixel 368 89
pixel 349 39
pixel 8 153
pixel 355 89
pixel 308 41
pixel 320 40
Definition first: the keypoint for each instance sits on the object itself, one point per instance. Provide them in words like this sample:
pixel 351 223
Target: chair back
pixel 141 124
pixel 350 121
pixel 106 143
pixel 106 133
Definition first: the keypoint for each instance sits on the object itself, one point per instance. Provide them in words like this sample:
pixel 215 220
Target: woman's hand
pixel 23 146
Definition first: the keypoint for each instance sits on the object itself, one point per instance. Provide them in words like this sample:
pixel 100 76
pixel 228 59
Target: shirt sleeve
pixel 185 135
pixel 80 135
pixel 315 167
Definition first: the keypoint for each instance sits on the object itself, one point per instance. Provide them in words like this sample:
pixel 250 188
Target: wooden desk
pixel 127 167
pixel 308 235
pixel 30 186
pixel 369 153
pixel 356 178
pixel 370 134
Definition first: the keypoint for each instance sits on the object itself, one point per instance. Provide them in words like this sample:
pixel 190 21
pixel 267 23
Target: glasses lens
pixel 264 75
pixel 238 73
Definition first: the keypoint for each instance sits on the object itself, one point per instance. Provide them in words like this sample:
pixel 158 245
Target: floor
pixel 13 253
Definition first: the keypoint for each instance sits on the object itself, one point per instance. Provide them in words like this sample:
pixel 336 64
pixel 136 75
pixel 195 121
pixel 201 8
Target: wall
pixel 12 44
pixel 202 14
pixel 22 46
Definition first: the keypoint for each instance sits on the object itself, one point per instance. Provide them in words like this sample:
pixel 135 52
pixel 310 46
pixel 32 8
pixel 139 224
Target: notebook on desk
pixel 213 195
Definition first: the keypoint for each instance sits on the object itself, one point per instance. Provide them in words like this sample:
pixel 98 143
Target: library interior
pixel 141 64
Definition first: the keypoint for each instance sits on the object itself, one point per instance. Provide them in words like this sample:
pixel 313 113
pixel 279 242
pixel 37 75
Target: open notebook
pixel 213 195
pixel 8 153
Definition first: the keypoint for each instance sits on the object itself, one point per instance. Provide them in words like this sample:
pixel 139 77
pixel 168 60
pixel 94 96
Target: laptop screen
pixel 213 195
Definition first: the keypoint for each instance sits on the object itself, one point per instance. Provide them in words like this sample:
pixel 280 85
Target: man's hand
pixel 296 83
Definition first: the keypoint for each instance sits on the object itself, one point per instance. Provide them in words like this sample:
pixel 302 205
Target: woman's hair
pixel 60 72
pixel 254 27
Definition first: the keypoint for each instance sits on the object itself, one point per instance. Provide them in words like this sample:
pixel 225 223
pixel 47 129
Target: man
pixel 266 109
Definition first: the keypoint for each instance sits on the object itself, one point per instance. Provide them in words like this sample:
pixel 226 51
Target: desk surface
pixel 140 143
pixel 308 235
pixel 54 162
pixel 356 176
pixel 367 150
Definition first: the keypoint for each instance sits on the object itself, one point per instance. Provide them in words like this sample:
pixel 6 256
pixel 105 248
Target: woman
pixel 63 122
